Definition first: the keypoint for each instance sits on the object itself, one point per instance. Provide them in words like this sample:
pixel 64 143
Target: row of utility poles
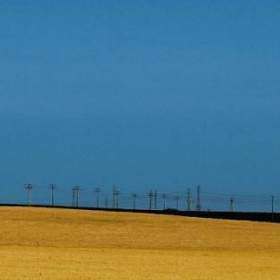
pixel 153 197
pixel 29 187
pixel 153 201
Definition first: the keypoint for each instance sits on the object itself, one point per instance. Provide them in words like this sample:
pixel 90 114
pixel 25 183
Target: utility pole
pixel 164 201
pixel 106 203
pixel 150 195
pixel 114 196
pixel 198 205
pixel 155 200
pixel 189 200
pixel 97 191
pixel 231 205
pixel 53 187
pixel 134 196
pixel 29 188
pixel 75 195
pixel 177 202
pixel 272 208
pixel 117 199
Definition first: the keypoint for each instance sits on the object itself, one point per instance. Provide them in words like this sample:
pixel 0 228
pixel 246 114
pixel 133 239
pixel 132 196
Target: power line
pixel 218 200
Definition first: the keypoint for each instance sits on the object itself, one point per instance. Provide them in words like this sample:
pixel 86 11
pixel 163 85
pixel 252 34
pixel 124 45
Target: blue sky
pixel 141 94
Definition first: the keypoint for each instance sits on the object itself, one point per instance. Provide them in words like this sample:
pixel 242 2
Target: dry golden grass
pixel 68 244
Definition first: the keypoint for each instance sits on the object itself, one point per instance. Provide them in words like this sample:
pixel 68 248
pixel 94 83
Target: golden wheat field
pixel 37 243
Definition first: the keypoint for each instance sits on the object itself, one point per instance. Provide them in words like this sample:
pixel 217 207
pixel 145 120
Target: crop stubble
pixel 37 243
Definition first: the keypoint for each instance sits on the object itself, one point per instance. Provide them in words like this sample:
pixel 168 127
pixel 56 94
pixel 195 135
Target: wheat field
pixel 38 243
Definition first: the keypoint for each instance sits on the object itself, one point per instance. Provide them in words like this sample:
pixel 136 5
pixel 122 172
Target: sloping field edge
pixel 246 216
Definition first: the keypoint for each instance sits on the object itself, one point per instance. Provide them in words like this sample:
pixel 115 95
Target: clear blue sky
pixel 141 94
